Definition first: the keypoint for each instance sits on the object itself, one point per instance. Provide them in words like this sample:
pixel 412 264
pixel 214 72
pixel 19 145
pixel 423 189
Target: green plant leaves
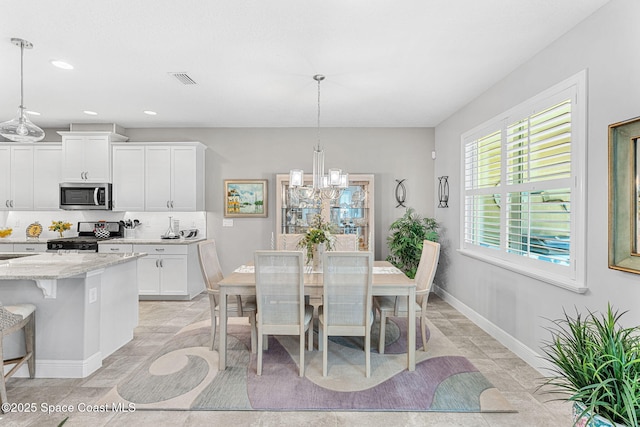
pixel 405 241
pixel 597 362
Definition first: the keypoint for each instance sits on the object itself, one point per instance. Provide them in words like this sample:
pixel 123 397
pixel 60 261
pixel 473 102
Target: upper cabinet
pixel 87 156
pixel 351 213
pixel 29 176
pixel 128 177
pixel 159 177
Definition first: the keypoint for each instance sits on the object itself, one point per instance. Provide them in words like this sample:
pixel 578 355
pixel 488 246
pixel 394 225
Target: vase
pixel 316 256
pixel 583 420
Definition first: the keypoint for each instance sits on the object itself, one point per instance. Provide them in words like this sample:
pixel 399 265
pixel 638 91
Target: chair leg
pixel 383 331
pixel 301 369
pixel 367 354
pixel 423 329
pixel 310 336
pixel 259 362
pixel 3 387
pixel 325 350
pixel 214 320
pixel 30 344
pixel 254 332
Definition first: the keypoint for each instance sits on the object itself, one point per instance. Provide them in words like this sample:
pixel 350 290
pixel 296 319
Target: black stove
pixel 86 240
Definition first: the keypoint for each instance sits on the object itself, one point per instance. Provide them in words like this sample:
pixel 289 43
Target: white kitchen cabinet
pixel 174 177
pixel 16 188
pixel 47 174
pixel 168 272
pixel 30 247
pixel 6 247
pixel 87 156
pixel 128 177
pixel 116 248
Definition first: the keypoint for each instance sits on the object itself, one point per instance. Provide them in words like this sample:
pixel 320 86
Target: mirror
pixel 624 196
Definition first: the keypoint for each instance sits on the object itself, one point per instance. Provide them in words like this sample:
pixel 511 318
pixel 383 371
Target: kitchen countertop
pixel 48 266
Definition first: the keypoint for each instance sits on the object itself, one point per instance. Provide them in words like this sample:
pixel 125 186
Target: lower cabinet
pixel 169 272
pixel 29 247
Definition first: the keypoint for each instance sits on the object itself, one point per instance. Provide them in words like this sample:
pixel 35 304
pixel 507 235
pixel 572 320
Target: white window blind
pixel 521 176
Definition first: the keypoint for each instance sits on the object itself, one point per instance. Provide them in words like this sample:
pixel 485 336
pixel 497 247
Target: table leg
pixel 222 342
pixel 411 330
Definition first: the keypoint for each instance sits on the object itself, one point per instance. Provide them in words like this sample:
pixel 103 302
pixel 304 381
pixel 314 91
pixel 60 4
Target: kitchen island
pixel 86 307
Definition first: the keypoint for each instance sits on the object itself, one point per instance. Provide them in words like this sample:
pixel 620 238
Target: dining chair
pixel 288 242
pixel 12 319
pixel 346 308
pixel 389 306
pixel 280 298
pixel 236 306
pixel 345 242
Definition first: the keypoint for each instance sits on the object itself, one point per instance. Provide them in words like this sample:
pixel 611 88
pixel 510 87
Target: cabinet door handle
pixel 11 203
pixel 167 204
pixel 114 249
pixel 86 175
pixel 159 249
pixel 30 249
pixel 172 204
pixel 157 263
pixel 6 203
pixel 161 263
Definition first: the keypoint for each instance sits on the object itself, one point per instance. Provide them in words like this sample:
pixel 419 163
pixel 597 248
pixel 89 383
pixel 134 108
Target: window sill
pixel 552 279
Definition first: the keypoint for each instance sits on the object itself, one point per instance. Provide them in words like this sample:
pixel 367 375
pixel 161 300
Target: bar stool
pixel 12 319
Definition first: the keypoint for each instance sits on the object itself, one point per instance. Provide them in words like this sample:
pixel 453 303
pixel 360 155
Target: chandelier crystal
pixel 21 129
pixel 329 186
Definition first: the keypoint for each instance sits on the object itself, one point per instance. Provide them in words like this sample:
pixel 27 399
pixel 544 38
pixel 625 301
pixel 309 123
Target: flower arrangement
pixel 60 226
pixel 319 232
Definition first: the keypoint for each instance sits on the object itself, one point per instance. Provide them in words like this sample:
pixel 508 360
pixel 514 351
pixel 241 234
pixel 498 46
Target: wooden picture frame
pixel 245 198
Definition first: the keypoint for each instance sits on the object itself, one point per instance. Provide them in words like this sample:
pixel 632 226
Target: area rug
pixel 184 375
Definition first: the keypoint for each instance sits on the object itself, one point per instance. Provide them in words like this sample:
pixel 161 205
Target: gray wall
pixel 512 306
pixel 261 153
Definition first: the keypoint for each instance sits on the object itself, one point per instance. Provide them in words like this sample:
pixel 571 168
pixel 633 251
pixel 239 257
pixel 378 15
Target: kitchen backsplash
pixel 152 224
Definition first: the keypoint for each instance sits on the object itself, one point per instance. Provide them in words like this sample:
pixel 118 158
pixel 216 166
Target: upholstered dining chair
pixel 12 319
pixel 345 242
pixel 347 307
pixel 288 242
pixel 236 306
pixel 397 306
pixel 280 298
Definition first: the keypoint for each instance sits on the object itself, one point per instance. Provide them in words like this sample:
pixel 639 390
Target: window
pixel 524 202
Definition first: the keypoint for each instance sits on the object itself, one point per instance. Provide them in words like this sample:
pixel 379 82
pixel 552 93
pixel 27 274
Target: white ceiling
pixel 401 63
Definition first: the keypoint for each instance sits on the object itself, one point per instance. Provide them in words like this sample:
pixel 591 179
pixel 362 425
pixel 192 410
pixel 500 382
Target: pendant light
pixel 21 129
pixel 323 186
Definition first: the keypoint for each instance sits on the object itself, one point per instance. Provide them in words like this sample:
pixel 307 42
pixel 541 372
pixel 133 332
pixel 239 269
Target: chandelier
pixel 21 129
pixel 329 186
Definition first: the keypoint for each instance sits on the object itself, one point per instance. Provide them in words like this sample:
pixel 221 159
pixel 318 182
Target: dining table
pixel 387 281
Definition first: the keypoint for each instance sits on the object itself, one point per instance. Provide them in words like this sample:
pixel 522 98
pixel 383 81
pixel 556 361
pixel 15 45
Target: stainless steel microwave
pixel 85 196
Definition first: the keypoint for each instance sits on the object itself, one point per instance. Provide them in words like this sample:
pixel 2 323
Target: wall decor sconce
pixel 401 193
pixel 443 191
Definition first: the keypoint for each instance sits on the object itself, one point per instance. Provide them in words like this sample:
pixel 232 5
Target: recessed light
pixel 33 113
pixel 91 113
pixel 150 113
pixel 61 64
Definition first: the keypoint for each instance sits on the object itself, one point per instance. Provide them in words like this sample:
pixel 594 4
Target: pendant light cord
pixel 21 75
pixel 318 78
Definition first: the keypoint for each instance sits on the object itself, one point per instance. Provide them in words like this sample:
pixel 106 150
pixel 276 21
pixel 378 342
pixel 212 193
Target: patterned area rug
pixel 185 376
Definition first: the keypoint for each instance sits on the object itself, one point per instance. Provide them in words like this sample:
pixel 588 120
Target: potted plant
pixel 318 233
pixel 597 366
pixel 405 241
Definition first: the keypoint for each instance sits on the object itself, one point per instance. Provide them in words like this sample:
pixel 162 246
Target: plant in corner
pixel 405 241
pixel 596 366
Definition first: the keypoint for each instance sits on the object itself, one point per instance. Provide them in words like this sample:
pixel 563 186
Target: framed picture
pixel 245 198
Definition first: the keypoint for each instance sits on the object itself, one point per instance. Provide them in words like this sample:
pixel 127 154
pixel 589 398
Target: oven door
pixel 85 196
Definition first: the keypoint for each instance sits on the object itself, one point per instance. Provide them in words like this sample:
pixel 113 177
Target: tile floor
pixel 159 320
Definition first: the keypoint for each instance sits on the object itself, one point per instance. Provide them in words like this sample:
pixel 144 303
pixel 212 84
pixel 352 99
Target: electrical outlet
pixel 93 295
pixel 227 223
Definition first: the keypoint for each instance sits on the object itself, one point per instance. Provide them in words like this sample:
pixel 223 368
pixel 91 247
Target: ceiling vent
pixel 183 78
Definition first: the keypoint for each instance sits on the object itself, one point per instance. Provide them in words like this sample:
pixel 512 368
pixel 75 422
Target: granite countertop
pixel 16 239
pixel 59 266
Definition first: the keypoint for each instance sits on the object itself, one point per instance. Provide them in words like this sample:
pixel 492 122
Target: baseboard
pixel 63 368
pixel 517 347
